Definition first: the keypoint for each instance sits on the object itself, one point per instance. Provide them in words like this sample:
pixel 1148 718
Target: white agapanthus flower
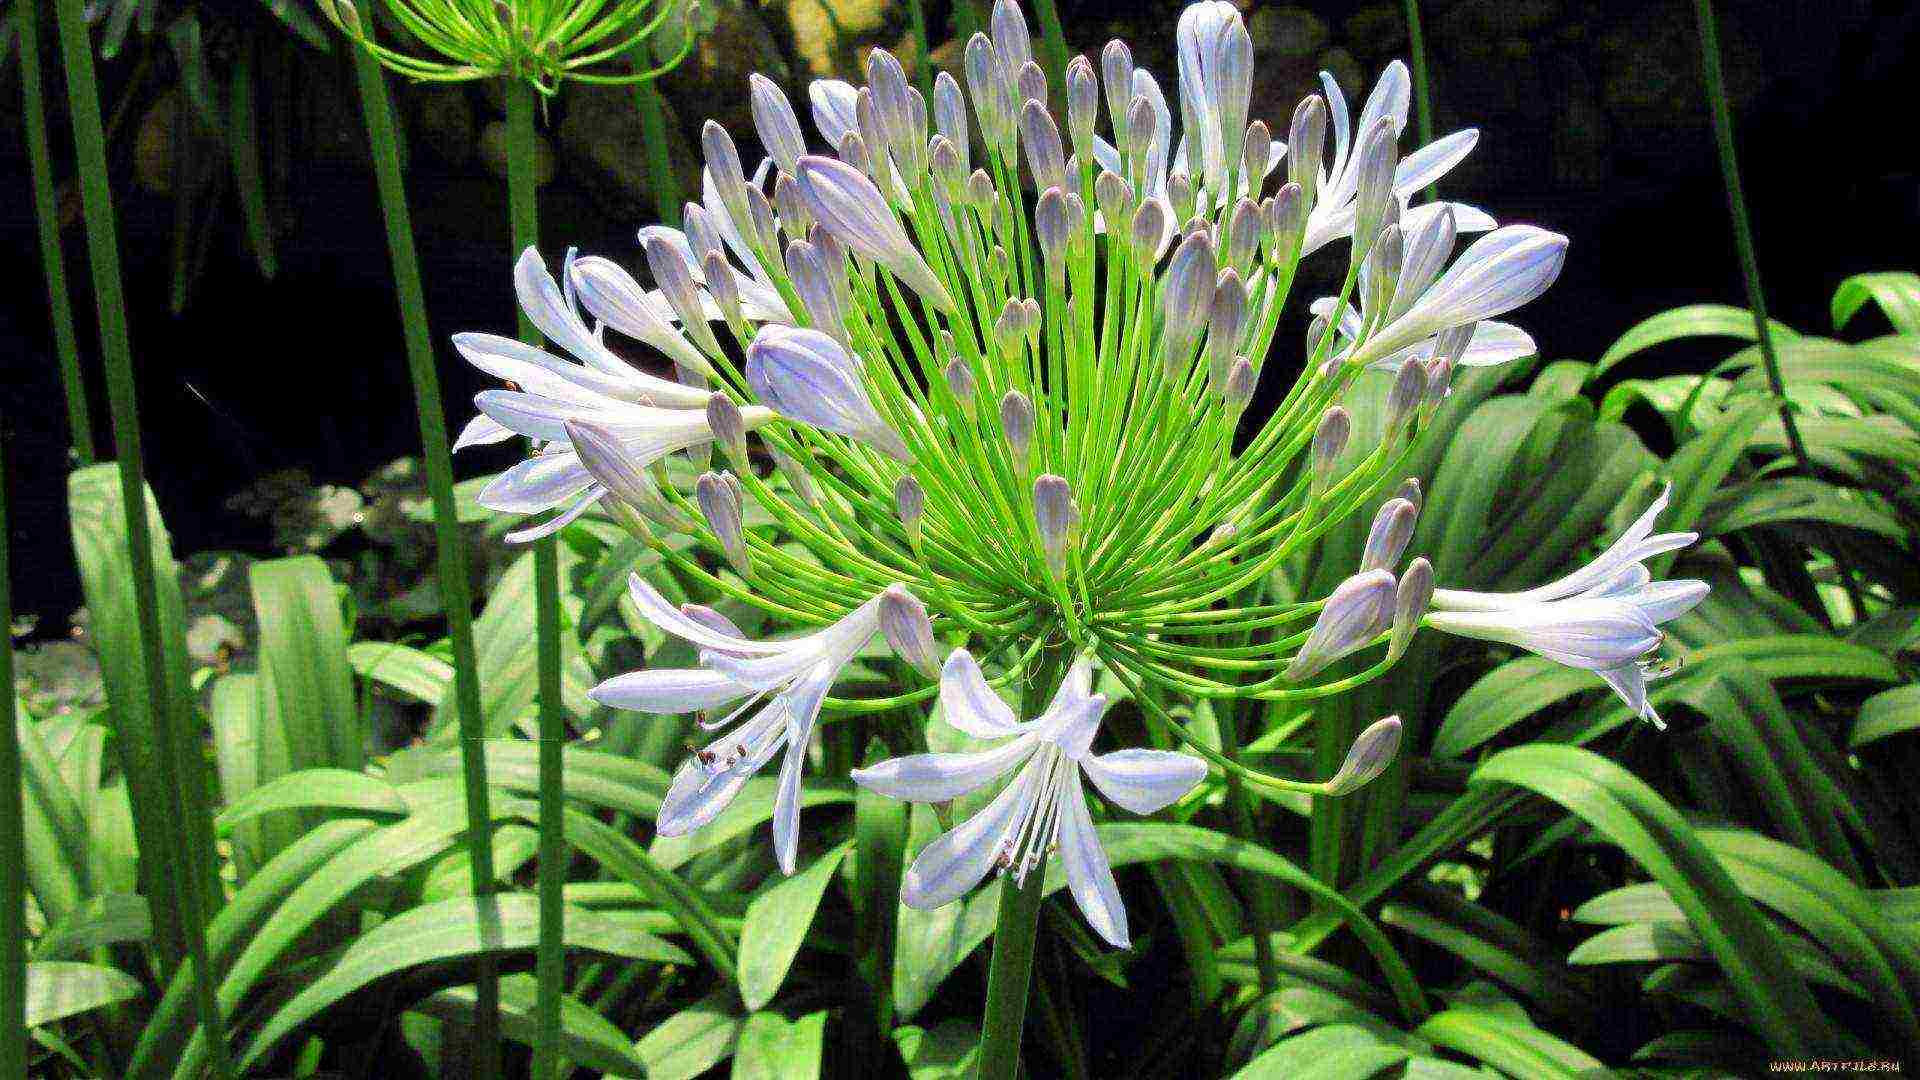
pixel 783 684
pixel 1604 617
pixel 1043 806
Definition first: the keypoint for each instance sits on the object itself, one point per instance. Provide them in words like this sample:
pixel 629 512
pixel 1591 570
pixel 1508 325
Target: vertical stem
pixel 1008 975
pixel 46 210
pixel 549 965
pixel 653 132
pixel 1749 262
pixel 456 589
pixel 13 853
pixel 184 865
pixel 1053 39
pixel 922 62
pixel 1241 803
pixel 1422 89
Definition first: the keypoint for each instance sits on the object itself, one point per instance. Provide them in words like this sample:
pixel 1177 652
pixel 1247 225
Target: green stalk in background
pixel 1716 88
pixel 1422 88
pixel 47 212
pixel 452 570
pixel 653 136
pixel 1053 38
pixel 13 847
pixel 922 65
pixel 103 247
pixel 1008 976
pixel 549 966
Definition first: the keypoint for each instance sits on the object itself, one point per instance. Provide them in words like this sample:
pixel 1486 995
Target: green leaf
pixel 460 928
pixel 603 780
pixel 771 1047
pixel 1504 697
pixel 1510 1044
pixel 1780 499
pixel 1632 815
pixel 692 1040
pixel 1891 712
pixel 57 989
pixel 1701 465
pixel 1334 1052
pixel 107 919
pixel 306 685
pixel 419 675
pixel 505 643
pixel 776 925
pixel 1695 320
pixel 326 789
pixel 749 810
pixel 54 830
pixel 586 1037
pixel 1897 292
pixel 945 1052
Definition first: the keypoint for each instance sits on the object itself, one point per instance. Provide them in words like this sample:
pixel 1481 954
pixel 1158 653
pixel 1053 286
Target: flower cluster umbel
pixel 1012 417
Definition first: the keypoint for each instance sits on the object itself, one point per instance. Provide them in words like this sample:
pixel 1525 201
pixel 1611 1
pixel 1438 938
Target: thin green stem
pixel 661 180
pixel 46 211
pixel 452 570
pixel 549 964
pixel 1008 975
pixel 1716 88
pixel 13 848
pixel 1241 803
pixel 1422 88
pixel 1053 40
pixel 187 867
pixel 922 63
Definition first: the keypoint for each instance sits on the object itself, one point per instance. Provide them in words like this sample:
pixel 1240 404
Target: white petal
pixel 786 806
pixel 561 520
pixel 1667 600
pixel 1496 343
pixel 670 619
pixel 667 690
pixel 953 864
pixel 1089 875
pixel 538 483
pixel 968 703
pixel 1144 781
pixel 1431 162
pixel 940 777
pixel 482 430
pixel 539 372
pixel 1631 684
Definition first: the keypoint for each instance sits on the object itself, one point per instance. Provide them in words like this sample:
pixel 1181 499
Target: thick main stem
pixel 549 964
pixel 456 592
pixel 46 212
pixel 1008 975
pixel 189 873
pixel 1750 262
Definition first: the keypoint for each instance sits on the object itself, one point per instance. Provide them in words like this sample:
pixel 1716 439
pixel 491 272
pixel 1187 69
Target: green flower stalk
pixel 541 42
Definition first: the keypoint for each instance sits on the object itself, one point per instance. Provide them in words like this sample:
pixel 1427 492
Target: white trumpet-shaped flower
pixel 847 205
pixel 1604 617
pixel 1043 806
pixel 650 416
pixel 1501 271
pixel 714 230
pixel 781 682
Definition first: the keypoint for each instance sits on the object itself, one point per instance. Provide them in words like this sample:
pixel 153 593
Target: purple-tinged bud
pixel 853 210
pixel 1379 155
pixel 1113 195
pixel 853 151
pixel 1226 318
pixel 1255 153
pixel 1238 390
pixel 902 116
pixel 1359 610
pixel 725 290
pixel 948 170
pixel 1030 321
pixel 1410 491
pixel 1306 142
pixel 1410 602
pixel 1382 272
pixel 1116 70
pixel 1387 540
pixel 611 295
pixel 612 467
pixel 723 162
pixel 760 230
pixel 1083 105
pixel 1243 235
pixel 716 622
pixel 1042 142
pixel 675 279
pixel 1054 513
pixel 1409 386
pixel 950 116
pixel 1329 442
pixel 774 119
pixel 1180 195
pixel 719 497
pixel 702 234
pixel 1016 423
pixel 810 282
pixel 1367 758
pixel 1141 119
pixel 980 190
pixel 1283 222
pixel 961 383
pixel 1010 327
pixel 729 429
pixel 805 375
pixel 910 502
pixel 1149 228
pixel 1317 333
pixel 904 623
pixel 1010 36
pixel 791 206
pixel 1032 83
pixel 1188 298
pixel 1051 230
pixel 1439 379
pixel 989 78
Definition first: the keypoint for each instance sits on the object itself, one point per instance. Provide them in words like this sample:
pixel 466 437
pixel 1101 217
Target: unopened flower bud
pixel 1306 142
pixel 950 115
pixel 1227 316
pixel 1409 386
pixel 1051 231
pixel 910 502
pixel 1116 70
pixel 1011 326
pixel 796 476
pixel 1055 515
pixel 948 170
pixel 1410 602
pixel 1180 195
pixel 1149 225
pixel 1439 383
pixel 774 119
pixel 1016 423
pixel 1317 334
pixel 1238 390
pixel 1379 154
pixel 1367 758
pixel 853 151
pixel 1387 540
pixel 729 429
pixel 723 164
pixel 904 622
pixel 1033 85
pixel 1410 491
pixel 607 461
pixel 725 289
pixel 1244 228
pixel 1283 221
pixel 1083 105
pixel 1357 612
pixel 719 497
pixel 961 383
pixel 675 279
pixel 1254 155
pixel 1189 297
pixel 1382 271
pixel 1113 195
pixel 1329 442
pixel 1041 138
pixel 980 191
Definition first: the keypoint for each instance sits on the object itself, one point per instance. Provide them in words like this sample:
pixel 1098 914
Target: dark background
pixel 1593 124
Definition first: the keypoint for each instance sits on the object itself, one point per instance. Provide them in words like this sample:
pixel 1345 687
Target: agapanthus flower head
pixel 1024 408
pixel 543 42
